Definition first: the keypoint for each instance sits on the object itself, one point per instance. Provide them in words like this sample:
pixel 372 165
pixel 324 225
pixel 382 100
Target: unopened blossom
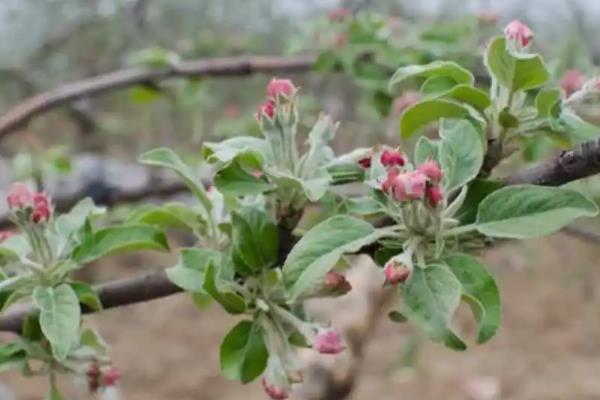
pixel 267 108
pixel 19 196
pixel 519 33
pixel 336 284
pixel 392 157
pixel 388 183
pixel 110 376
pixel 93 377
pixel 275 392
pixel 409 186
pixel 431 169
pixel 396 271
pixel 275 380
pixel 571 81
pixel 280 87
pixel 41 208
pixel 433 195
pixel 328 341
pixel 403 102
pixel 365 162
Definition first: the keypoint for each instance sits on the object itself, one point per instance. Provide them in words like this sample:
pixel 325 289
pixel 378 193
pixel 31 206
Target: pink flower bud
pixel 519 32
pixel 336 284
pixel 365 162
pixel 409 186
pixel 267 108
pixel 328 341
pixel 403 102
pixel 93 377
pixel 339 14
pixel 19 196
pixel 275 392
pixel 396 272
pixel 280 87
pixel 110 376
pixel 5 235
pixel 388 183
pixel 390 158
pixel 571 81
pixel 40 198
pixel 434 196
pixel 41 213
pixel 431 170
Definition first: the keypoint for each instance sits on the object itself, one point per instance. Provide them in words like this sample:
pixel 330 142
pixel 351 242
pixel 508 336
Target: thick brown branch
pixel 113 294
pixel 580 162
pixel 21 114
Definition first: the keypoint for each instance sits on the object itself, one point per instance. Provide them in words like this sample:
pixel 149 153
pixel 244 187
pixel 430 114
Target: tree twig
pixel 20 115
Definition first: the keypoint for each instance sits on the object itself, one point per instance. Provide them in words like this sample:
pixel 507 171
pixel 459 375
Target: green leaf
pixel 319 152
pixel 525 211
pixel 255 240
pixel 365 205
pixel 14 248
pixel 478 190
pixel 166 158
pixel 90 338
pixel 232 302
pixel 68 224
pixel 243 353
pixel 424 112
pixel 397 317
pixel 436 68
pixel 87 295
pixel 144 94
pixel 154 57
pixel 119 238
pixel 430 298
pixel 507 119
pixel 515 71
pixel 461 153
pixel 227 150
pixel 12 356
pixel 547 103
pixel 470 95
pixel 234 180
pixel 436 85
pixel 170 215
pixel 578 129
pixel 427 149
pixel 320 249
pixel 190 270
pixel 480 291
pixel 60 317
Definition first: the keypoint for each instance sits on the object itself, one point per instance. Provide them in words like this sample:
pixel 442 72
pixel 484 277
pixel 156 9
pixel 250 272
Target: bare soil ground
pixel 548 347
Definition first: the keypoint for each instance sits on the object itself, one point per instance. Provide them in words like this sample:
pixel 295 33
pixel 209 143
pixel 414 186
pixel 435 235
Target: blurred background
pixel 547 347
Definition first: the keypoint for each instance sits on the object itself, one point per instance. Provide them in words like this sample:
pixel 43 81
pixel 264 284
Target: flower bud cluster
pixel 28 206
pixel 404 184
pixel 101 378
pixel 277 90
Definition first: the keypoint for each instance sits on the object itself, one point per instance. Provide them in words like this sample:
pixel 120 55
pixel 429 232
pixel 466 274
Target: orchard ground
pixel 547 347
